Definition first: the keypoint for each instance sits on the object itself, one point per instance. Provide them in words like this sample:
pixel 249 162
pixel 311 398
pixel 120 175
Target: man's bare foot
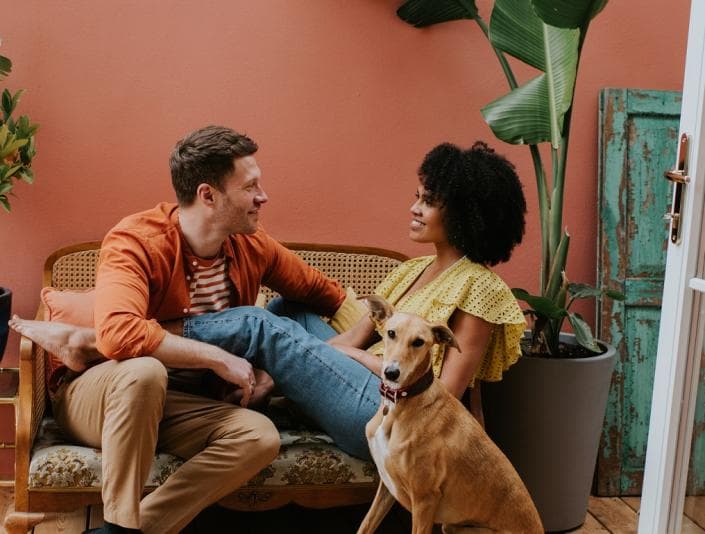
pixel 74 345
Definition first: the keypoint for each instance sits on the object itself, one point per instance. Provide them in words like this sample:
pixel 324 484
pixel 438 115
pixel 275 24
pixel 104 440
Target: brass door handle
pixel 679 177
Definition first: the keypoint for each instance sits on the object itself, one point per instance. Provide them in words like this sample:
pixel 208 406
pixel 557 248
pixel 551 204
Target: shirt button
pixel 195 263
pixel 188 277
pixel 185 310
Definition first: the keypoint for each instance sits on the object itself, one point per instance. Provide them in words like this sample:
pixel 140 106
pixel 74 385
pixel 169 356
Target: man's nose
pixel 261 197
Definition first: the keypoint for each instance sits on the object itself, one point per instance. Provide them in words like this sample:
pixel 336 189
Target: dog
pixel 431 454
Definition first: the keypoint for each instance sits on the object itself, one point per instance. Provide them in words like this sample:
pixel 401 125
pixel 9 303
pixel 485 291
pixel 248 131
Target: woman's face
pixel 427 222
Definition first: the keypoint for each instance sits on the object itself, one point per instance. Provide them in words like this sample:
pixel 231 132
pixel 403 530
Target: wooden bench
pixel 53 475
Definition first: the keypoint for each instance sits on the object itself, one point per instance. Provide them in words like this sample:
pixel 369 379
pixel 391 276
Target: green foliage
pixel 548 36
pixel 16 141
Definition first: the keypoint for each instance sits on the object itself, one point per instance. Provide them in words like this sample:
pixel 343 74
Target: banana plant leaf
pixel 533 113
pixel 568 13
pixel 5 66
pixel 541 306
pixel 583 332
pixel 422 13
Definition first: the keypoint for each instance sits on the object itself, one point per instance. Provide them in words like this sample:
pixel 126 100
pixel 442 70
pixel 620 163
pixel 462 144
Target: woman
pixel 470 207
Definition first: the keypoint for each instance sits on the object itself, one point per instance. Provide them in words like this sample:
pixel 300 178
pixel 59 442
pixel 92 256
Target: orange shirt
pixel 144 270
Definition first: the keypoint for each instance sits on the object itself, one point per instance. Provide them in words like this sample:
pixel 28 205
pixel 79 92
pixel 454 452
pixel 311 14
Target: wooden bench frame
pixel 34 505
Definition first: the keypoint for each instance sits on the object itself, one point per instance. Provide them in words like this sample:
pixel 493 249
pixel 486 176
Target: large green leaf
pixel 616 295
pixel 533 113
pixel 584 291
pixel 541 306
pixel 583 332
pixel 5 66
pixel 568 13
pixel 422 13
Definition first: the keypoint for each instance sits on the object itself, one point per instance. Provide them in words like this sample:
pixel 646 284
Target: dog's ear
pixel 380 309
pixel 444 336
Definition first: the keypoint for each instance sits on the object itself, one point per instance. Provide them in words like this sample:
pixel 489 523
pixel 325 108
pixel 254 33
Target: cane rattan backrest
pixel 360 268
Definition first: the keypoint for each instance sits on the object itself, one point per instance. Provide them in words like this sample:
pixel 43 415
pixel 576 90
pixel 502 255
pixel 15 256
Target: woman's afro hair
pixel 481 197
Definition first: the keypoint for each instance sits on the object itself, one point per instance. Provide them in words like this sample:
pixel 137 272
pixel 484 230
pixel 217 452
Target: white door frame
pixel 680 335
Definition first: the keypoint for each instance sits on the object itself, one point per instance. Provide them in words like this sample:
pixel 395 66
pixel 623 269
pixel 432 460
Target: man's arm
pixel 296 280
pixel 122 301
pixel 182 353
pixel 123 276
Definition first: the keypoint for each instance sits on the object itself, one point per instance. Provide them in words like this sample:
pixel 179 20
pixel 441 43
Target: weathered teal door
pixel 638 141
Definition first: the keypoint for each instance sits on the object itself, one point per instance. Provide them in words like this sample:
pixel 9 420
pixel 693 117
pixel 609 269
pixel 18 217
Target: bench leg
pixel 22 522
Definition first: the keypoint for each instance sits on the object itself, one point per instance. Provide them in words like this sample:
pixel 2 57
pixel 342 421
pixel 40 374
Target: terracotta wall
pixel 343 98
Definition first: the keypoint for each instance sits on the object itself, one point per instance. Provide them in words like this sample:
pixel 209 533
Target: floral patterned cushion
pixel 307 456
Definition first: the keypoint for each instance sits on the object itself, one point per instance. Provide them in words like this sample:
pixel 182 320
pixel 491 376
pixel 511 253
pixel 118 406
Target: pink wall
pixel 343 98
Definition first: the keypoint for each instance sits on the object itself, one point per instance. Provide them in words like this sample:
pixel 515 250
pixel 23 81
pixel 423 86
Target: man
pixel 204 254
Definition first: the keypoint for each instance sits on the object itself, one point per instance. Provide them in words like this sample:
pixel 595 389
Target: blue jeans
pixel 331 388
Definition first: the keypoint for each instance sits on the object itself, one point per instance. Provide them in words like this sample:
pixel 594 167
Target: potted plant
pixel 547 412
pixel 16 154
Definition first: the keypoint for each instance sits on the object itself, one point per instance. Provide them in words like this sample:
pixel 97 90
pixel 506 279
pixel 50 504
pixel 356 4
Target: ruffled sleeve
pixel 489 298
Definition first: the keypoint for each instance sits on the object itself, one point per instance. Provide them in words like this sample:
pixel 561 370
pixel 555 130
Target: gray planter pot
pixel 5 310
pixel 546 415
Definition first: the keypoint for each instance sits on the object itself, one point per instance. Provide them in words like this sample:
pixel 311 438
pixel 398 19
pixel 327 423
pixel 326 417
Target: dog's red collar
pixel 421 385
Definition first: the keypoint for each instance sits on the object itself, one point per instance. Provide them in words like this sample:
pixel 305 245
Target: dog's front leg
pixel 423 512
pixel 381 504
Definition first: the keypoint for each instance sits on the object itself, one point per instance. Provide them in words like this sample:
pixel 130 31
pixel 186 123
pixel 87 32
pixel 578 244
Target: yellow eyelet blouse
pixel 470 287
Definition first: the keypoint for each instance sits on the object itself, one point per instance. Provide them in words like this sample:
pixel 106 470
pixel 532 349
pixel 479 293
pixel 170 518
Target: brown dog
pixel 432 455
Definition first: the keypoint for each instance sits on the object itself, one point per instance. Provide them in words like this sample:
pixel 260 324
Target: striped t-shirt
pixel 210 287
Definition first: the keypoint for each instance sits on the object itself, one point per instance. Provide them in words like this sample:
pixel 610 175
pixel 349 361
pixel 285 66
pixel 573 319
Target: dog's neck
pixel 396 394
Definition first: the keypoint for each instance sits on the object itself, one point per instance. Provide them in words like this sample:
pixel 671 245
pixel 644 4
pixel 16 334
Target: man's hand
pixel 181 353
pixel 264 385
pixel 238 371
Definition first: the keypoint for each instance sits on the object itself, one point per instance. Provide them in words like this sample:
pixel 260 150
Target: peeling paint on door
pixel 638 142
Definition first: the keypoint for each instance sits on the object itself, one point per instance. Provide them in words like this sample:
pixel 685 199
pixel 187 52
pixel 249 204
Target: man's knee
pixel 266 438
pixel 145 375
pixel 256 437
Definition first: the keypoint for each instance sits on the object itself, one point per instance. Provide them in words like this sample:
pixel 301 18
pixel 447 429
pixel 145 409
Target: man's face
pixel 238 204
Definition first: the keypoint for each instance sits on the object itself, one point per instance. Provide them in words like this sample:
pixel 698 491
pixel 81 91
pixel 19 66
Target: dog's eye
pixel 418 342
pixel 391 334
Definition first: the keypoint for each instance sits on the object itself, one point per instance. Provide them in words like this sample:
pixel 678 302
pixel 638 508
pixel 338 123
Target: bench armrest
pixel 31 407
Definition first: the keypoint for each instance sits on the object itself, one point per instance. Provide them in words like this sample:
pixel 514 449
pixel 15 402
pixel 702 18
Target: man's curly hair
pixel 481 198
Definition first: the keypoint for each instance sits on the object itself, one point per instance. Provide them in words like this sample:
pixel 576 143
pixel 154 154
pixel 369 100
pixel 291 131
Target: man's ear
pixel 380 309
pixel 204 193
pixel 444 336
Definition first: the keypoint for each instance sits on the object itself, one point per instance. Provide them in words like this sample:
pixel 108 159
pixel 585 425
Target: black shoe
pixel 110 528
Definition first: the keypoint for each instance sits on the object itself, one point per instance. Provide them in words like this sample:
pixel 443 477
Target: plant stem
pixel 539 171
pixel 500 56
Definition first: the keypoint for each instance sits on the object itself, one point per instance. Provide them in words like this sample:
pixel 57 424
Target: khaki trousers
pixel 125 409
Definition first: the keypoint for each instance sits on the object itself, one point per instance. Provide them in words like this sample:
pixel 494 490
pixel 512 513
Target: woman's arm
pixel 361 335
pixel 369 360
pixel 352 341
pixel 472 335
